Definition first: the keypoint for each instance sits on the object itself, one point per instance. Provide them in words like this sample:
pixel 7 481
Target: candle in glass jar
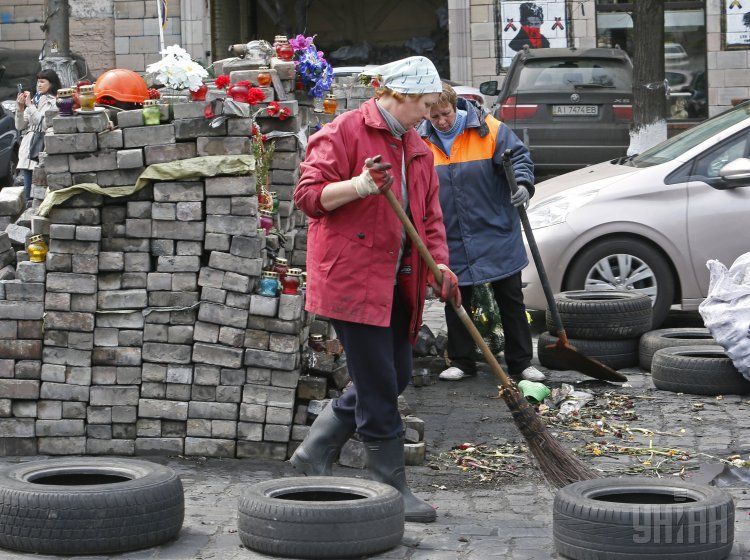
pixel 151 112
pixel 291 282
pixel 86 97
pixel 330 104
pixel 269 284
pixel 281 266
pixel 37 249
pixel 263 77
pixel 266 221
pixel 65 102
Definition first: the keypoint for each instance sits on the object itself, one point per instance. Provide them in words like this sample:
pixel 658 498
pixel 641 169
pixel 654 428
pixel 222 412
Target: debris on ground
pixel 490 463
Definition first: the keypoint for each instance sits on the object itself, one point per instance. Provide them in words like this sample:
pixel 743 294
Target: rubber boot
pixel 328 434
pixel 385 460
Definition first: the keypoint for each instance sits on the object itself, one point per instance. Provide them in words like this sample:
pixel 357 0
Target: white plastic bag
pixel 726 310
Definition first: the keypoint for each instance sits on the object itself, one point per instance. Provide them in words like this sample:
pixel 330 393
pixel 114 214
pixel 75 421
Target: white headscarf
pixel 415 74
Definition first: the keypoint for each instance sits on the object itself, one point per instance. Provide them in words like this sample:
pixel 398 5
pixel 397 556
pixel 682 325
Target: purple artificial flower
pixel 300 42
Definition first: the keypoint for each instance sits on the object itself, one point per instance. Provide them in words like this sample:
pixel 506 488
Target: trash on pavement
pixel 533 391
pixel 568 400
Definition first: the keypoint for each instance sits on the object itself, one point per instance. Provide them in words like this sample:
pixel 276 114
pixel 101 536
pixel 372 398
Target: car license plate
pixel 575 110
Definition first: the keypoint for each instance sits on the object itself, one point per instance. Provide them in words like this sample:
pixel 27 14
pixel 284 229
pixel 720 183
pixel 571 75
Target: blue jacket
pixel 483 227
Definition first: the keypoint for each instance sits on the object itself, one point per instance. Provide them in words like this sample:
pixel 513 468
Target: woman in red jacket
pixel 362 270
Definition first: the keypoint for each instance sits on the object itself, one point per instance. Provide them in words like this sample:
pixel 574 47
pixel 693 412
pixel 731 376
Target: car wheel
pixel 88 505
pixel 697 370
pixel 321 517
pixel 644 519
pixel 669 338
pixel 626 265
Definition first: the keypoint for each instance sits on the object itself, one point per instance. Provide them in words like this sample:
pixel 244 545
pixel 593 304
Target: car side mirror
pixel 736 172
pixel 489 88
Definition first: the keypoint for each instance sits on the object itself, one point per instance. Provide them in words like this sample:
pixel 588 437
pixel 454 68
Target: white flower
pixel 176 70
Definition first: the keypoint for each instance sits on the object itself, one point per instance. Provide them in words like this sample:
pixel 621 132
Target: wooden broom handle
pixel 500 374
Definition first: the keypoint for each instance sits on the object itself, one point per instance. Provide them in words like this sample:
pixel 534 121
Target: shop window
pixel 684 50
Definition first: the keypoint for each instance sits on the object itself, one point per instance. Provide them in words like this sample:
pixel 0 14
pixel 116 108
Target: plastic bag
pixel 726 310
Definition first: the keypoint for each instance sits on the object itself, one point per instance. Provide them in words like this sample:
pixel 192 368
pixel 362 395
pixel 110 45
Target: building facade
pixel 707 42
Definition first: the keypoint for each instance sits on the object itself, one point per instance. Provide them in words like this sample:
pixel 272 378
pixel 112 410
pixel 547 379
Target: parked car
pixel 9 141
pixel 648 223
pixel 675 55
pixel 571 107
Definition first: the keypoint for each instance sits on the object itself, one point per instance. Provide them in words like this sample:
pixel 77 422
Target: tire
pixel 332 517
pixel 88 505
pixel 669 338
pixel 697 370
pixel 664 520
pixel 616 354
pixel 607 315
pixel 651 257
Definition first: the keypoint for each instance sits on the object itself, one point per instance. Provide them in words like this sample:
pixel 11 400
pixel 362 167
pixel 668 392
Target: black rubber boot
pixel 328 434
pixel 385 460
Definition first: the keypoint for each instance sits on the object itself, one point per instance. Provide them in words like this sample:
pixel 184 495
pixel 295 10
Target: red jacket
pixel 352 250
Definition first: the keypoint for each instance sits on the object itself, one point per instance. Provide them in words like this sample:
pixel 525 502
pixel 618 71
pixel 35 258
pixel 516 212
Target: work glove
pixel 448 290
pixel 374 178
pixel 520 197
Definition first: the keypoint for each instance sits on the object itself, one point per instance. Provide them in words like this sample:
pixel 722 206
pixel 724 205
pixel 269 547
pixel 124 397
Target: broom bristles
pixel 559 466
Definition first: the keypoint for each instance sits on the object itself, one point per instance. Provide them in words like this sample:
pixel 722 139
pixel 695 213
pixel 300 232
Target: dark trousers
pixel 379 362
pixel 518 349
pixel 27 184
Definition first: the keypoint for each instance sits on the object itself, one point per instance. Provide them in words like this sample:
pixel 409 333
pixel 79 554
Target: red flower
pixel 375 83
pixel 264 138
pixel 255 95
pixel 222 81
pixel 285 113
pixel 254 130
pixel 273 108
pixel 154 94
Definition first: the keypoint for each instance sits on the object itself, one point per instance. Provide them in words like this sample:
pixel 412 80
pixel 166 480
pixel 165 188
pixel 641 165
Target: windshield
pixel 678 145
pixel 567 73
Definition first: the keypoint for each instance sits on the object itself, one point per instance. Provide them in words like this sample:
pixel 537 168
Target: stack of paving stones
pixel 142 332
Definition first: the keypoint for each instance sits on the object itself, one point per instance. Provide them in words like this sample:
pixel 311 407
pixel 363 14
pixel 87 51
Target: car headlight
pixel 555 210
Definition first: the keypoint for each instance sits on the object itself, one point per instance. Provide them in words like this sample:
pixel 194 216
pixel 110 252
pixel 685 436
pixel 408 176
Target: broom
pixel 558 465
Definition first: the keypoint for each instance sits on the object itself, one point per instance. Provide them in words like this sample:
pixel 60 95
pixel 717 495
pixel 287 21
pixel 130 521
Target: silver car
pixel 648 223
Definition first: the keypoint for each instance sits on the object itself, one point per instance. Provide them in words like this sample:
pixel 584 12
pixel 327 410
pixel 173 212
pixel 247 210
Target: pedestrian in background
pixel 30 117
pixel 362 270
pixel 482 225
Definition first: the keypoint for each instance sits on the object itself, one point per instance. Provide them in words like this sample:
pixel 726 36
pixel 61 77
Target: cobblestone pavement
pixel 509 518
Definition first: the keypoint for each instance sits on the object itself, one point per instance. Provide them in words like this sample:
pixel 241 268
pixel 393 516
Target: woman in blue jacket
pixel 482 225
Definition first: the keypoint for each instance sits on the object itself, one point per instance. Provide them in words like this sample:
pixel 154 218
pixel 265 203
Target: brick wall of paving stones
pixel 91 361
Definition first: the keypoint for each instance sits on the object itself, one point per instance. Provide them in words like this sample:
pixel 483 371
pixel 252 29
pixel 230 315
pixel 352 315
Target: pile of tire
pixel 688 360
pixel 604 325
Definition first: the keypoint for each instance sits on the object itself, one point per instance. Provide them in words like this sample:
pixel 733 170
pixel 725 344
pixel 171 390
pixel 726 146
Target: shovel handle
pixel 500 374
pixel 548 294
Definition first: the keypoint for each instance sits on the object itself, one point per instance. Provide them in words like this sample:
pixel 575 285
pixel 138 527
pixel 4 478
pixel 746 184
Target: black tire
pixel 669 338
pixel 616 354
pixel 88 505
pixel 332 517
pixel 642 519
pixel 697 370
pixel 607 315
pixel 653 258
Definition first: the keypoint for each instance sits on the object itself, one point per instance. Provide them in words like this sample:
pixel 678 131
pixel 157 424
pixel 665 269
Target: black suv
pixel 571 107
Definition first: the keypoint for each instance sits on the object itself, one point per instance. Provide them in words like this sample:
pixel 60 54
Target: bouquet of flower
pixel 312 68
pixel 176 70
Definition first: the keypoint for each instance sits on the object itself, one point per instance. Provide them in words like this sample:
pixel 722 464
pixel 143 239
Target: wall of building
pixel 728 76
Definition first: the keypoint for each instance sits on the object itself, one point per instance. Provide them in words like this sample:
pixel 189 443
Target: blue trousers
pixel 27 183
pixel 380 363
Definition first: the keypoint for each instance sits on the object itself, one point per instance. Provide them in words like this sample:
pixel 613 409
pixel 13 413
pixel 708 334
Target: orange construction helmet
pixel 121 85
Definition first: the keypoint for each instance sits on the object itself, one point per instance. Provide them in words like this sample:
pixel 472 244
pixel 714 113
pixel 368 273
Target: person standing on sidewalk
pixel 30 114
pixel 482 225
pixel 362 270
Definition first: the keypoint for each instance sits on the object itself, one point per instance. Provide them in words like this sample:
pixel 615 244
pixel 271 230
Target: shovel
pixel 562 350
